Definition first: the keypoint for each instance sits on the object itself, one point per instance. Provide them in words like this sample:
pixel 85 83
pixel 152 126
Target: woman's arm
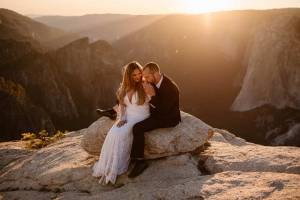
pixel 123 119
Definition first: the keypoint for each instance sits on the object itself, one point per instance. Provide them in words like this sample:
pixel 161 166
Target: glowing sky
pixel 82 7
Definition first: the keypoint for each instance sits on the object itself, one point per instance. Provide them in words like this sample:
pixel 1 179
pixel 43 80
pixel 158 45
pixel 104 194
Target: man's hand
pixel 149 89
pixel 121 123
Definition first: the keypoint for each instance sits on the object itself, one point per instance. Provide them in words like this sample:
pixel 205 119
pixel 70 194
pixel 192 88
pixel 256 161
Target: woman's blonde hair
pixel 128 83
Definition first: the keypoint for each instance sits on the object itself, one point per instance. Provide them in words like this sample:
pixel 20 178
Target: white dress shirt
pixel 157 85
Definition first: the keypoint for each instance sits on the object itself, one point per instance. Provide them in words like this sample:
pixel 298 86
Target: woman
pixel 133 107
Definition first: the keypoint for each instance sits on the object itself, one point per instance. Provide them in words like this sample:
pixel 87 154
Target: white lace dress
pixel 115 153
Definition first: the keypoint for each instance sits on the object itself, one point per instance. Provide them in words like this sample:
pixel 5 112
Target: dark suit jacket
pixel 166 102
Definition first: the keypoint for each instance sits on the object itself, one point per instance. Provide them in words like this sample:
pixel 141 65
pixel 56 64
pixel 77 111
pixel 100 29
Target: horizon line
pixel 55 15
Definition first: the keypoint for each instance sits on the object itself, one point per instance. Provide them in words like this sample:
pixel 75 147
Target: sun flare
pixel 204 6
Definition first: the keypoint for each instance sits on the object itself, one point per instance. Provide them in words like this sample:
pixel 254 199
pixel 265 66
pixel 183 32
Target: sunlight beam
pixel 204 6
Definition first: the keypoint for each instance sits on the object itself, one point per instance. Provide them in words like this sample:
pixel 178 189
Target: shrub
pixel 42 141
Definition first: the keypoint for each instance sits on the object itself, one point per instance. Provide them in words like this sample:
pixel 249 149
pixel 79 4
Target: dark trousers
pixel 138 131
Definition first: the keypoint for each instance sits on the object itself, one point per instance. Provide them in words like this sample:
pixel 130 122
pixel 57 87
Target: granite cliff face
pixel 91 71
pixel 17 108
pixel 229 168
pixel 271 77
pixel 67 84
pixel 272 59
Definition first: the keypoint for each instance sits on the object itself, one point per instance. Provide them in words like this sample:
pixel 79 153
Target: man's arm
pixel 166 102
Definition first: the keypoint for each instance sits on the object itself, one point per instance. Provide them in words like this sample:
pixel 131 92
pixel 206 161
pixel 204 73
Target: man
pixel 164 112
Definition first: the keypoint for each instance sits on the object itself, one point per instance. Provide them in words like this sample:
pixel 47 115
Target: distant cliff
pixel 62 88
pixel 272 59
pixel 110 27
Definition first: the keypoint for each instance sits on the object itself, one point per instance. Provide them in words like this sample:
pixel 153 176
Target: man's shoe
pixel 139 167
pixel 110 113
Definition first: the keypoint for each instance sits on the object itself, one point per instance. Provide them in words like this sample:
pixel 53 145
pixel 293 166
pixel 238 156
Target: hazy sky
pixel 81 7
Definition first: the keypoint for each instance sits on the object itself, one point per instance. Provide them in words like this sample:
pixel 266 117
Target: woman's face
pixel 136 75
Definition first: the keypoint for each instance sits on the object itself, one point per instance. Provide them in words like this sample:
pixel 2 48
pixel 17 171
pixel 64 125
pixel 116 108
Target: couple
pixel 148 100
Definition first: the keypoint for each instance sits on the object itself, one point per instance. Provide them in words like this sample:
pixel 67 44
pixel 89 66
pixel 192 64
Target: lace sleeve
pixel 122 110
pixel 148 98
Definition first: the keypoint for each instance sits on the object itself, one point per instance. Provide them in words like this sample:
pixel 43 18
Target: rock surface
pixel 187 136
pixel 63 170
pixel 291 138
pixel 250 157
pixel 272 60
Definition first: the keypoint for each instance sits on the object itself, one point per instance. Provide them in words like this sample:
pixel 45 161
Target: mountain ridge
pixel 33 30
pixel 110 27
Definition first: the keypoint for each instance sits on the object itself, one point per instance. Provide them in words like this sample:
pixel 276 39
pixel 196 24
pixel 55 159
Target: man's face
pixel 148 76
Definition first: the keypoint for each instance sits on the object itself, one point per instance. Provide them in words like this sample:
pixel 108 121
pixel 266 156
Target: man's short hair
pixel 153 67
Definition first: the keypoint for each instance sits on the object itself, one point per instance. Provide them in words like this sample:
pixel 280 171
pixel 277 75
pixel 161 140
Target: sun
pixel 204 6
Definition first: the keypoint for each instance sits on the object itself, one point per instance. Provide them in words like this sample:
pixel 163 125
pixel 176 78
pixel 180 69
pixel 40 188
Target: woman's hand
pixel 149 89
pixel 121 123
